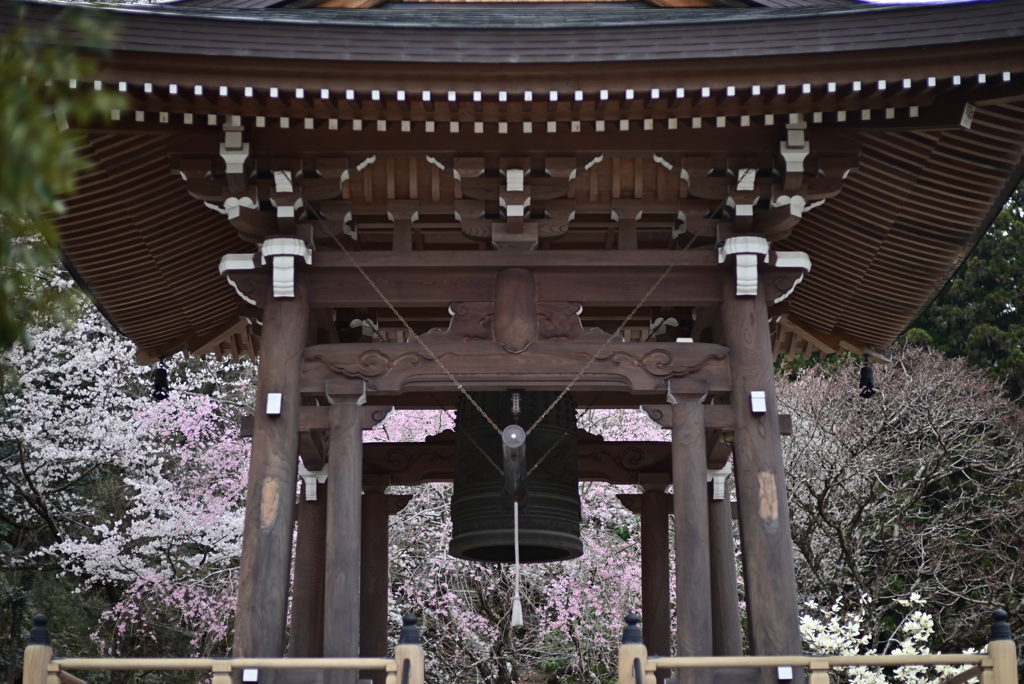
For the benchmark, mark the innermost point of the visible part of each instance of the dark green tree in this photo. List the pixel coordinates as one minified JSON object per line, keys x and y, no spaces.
{"x":980,"y":313}
{"x":40,"y":159}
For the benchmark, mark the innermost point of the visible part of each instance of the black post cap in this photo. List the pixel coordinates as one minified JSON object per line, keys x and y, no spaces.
{"x":410,"y":633}
{"x":632,"y":634}
{"x":39,"y":634}
{"x":1000,"y":627}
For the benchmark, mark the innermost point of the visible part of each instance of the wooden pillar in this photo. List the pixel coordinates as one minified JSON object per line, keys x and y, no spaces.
{"x":693,"y":564}
{"x":374,"y":582}
{"x":373,"y":603}
{"x":344,"y":512}
{"x":654,"y":573}
{"x":270,"y":500}
{"x":307,"y":633}
{"x":726,"y":630}
{"x":769,"y":576}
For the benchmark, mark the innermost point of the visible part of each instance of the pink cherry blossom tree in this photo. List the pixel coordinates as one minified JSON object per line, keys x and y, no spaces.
{"x":138,"y":503}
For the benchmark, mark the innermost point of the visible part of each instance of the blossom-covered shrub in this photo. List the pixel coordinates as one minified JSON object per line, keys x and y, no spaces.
{"x":839,"y":630}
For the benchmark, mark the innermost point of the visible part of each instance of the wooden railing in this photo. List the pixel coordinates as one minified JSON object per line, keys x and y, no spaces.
{"x":41,"y":667}
{"x":996,"y":666}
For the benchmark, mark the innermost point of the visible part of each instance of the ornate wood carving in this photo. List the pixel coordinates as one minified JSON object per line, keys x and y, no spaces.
{"x":471,"y":322}
{"x":289,"y":188}
{"x":638,"y":368}
{"x":560,"y":321}
{"x":780,"y":283}
{"x":523,"y":321}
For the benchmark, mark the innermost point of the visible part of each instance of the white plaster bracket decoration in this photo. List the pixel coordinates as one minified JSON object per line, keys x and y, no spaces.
{"x":514,"y":180}
{"x":745,"y":180}
{"x":792,"y":260}
{"x":311,"y":478}
{"x":282,"y":252}
{"x":796,"y":203}
{"x":718,"y":478}
{"x":233,"y":150}
{"x":746,"y":249}
{"x":284,"y":186}
{"x":237,"y":262}
{"x":794,"y":150}
{"x":515,"y":187}
{"x":742,"y":198}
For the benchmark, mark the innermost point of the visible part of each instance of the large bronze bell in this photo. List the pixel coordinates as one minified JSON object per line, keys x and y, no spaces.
{"x":549,"y":513}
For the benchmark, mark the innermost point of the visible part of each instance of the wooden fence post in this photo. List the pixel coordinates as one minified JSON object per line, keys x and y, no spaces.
{"x":1002,"y":650}
{"x":819,"y":672}
{"x":409,"y":653}
{"x":632,"y":652}
{"x":221,"y":672}
{"x":37,"y":653}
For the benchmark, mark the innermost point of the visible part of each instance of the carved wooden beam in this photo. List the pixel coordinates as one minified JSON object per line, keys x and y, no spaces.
{"x":638,"y":368}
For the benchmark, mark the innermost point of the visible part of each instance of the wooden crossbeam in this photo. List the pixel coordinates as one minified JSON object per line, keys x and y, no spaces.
{"x":438,"y":278}
{"x":315,"y":418}
{"x":410,"y":463}
{"x":716,"y":417}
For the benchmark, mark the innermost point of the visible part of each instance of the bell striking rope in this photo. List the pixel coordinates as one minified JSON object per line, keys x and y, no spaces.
{"x":517,"y":604}
{"x":513,"y":446}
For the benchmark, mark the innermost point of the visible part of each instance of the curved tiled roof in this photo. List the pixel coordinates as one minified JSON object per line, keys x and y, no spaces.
{"x":555,"y":34}
{"x":923,"y":195}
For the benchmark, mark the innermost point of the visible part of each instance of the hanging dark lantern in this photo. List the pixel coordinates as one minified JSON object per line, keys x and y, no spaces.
{"x":549,"y":511}
{"x":161,"y":386}
{"x":867,"y":380}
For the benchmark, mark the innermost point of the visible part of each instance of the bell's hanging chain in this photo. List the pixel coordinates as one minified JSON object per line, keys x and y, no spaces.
{"x":470,"y":438}
{"x":559,"y":440}
{"x":486,"y":455}
{"x":603,"y":347}
{"x":408,"y":327}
